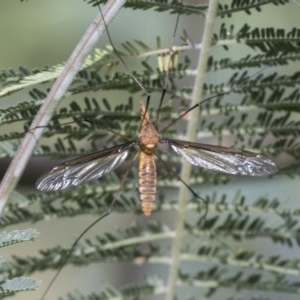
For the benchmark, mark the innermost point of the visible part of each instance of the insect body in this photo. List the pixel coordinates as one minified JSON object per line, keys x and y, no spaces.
{"x":148,"y":140}
{"x":211,"y":157}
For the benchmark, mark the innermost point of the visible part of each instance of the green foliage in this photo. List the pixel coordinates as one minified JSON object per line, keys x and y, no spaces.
{"x":9,"y":287}
{"x":160,"y":6}
{"x":260,"y":112}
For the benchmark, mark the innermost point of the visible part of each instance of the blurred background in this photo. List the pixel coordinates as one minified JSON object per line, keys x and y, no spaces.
{"x":39,"y":33}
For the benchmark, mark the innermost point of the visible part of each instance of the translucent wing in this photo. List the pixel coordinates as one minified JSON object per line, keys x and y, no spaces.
{"x":84,"y":168}
{"x":222,"y":159}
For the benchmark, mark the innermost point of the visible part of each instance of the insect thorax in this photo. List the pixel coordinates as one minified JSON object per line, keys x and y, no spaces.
{"x":148,"y":137}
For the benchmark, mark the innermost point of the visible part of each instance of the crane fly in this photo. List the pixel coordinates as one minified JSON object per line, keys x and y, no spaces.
{"x":95,"y":165}
{"x":211,"y":157}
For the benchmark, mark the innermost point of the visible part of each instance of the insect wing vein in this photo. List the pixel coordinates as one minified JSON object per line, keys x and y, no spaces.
{"x":222,"y":159}
{"x":85,"y":168}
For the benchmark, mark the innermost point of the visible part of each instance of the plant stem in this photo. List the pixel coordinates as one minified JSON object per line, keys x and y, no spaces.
{"x":191,"y":134}
{"x":56,"y":93}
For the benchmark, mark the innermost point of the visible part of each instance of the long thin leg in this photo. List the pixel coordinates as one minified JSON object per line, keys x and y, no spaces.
{"x":66,"y":258}
{"x":121,"y":59}
{"x":167,"y":69}
{"x":190,"y":109}
{"x":186,"y":185}
{"x":109,"y":130}
{"x":128,"y":70}
{"x":220,"y":240}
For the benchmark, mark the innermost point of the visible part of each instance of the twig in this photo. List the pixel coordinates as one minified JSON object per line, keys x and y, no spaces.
{"x":57,"y":91}
{"x":191,"y":134}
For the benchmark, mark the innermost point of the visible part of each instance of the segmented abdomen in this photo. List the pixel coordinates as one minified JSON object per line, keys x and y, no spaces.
{"x":147,"y":182}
